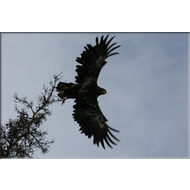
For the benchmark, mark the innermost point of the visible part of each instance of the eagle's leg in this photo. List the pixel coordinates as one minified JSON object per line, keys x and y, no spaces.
{"x":63,"y":100}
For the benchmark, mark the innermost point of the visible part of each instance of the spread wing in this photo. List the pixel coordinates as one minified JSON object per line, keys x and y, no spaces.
{"x":86,"y":110}
{"x":93,"y":59}
{"x":92,"y":121}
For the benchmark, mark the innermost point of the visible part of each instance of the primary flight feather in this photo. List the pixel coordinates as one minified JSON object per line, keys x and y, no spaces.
{"x":85,"y":91}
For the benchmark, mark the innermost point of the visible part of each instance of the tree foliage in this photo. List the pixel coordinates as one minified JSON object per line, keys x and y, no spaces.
{"x":21,"y":136}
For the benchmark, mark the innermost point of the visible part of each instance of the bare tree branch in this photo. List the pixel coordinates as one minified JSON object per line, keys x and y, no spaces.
{"x":21,"y":136}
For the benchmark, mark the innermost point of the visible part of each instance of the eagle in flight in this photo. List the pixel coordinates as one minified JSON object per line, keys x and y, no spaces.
{"x":85,"y":91}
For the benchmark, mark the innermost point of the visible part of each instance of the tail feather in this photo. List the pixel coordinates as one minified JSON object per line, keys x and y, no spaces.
{"x":66,"y":90}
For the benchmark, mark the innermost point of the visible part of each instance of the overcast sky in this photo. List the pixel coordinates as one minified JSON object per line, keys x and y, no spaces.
{"x":147,"y":91}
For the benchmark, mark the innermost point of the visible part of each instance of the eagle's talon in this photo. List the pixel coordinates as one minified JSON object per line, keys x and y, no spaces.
{"x":63,"y":100}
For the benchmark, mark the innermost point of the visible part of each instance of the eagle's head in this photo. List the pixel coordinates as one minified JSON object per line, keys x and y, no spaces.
{"x":101,"y":91}
{"x":104,"y":91}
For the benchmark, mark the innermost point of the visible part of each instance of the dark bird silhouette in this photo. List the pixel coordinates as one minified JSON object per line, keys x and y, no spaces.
{"x":85,"y":91}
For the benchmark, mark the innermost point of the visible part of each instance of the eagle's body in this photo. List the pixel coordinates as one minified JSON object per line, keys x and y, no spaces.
{"x":86,"y":91}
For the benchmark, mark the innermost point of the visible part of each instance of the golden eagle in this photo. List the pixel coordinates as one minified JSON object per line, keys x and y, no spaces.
{"x":87,"y":112}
